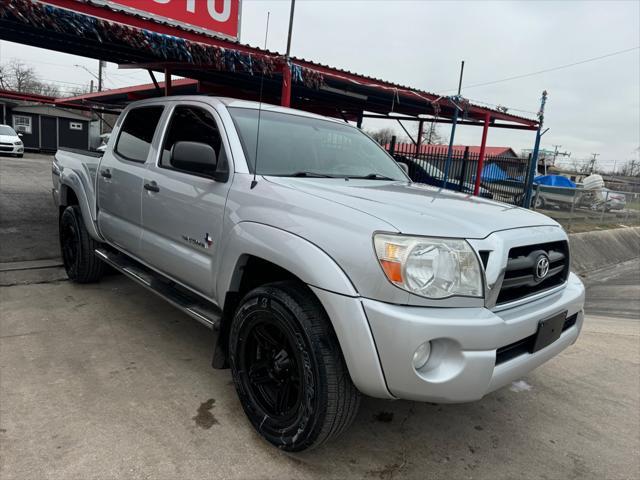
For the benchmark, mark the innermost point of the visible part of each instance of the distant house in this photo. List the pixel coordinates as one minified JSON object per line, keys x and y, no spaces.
{"x":458,"y":150}
{"x":47,"y":127}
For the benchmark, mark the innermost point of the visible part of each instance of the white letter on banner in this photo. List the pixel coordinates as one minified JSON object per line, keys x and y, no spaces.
{"x":222,"y":16}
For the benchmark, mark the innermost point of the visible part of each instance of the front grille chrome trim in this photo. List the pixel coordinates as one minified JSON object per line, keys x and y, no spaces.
{"x":529,"y":298}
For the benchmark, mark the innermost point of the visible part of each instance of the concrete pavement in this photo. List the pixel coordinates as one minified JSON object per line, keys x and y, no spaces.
{"x":108,"y":381}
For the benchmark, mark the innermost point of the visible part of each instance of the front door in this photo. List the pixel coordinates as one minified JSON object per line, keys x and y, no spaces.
{"x":120,"y":179}
{"x":48,"y":133}
{"x":182,"y":213}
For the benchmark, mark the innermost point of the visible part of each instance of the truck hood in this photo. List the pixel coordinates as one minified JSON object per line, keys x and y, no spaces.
{"x":419,"y":209}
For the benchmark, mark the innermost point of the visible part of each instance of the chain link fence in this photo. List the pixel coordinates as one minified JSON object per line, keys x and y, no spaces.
{"x":579,"y":210}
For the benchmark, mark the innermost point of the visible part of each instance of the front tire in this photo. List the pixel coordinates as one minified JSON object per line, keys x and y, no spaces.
{"x":288,"y":368}
{"x":77,"y":246}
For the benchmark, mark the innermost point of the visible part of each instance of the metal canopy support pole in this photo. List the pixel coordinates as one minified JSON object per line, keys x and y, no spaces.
{"x":483,"y":145}
{"x":155,"y":82}
{"x":420,"y":134}
{"x":285,"y":99}
{"x":447,"y":165}
{"x":534,"y":156}
{"x":167,"y":82}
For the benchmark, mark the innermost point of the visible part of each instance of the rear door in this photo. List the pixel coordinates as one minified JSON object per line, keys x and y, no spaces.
{"x":182,"y":215}
{"x":120,"y":178}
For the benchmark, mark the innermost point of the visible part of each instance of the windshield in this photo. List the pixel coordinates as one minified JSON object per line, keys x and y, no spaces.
{"x":5,"y":130}
{"x":293,"y":145}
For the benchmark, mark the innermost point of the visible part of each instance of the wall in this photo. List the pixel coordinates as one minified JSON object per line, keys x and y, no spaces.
{"x":594,"y":250}
{"x":73,"y":138}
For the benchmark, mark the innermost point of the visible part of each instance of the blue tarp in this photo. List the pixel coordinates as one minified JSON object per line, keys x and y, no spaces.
{"x":554,"y":181}
{"x":493,"y":173}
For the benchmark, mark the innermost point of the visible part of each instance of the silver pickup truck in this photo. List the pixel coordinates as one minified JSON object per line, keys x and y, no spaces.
{"x":324,"y":271}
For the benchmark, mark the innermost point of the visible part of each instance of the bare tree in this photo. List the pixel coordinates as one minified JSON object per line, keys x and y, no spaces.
{"x":382,"y":136}
{"x":630,"y":169}
{"x":19,"y":77}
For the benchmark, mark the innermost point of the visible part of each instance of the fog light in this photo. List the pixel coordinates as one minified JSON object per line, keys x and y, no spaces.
{"x":421,"y":355}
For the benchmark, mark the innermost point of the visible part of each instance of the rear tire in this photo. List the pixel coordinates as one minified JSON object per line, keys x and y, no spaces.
{"x":288,"y":369}
{"x":77,"y":247}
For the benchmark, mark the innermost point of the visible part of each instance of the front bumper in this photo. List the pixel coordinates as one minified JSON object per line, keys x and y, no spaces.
{"x":462,"y":366}
{"x":12,"y":149}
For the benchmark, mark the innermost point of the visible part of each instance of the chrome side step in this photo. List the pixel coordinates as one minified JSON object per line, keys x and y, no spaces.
{"x":198,"y":308}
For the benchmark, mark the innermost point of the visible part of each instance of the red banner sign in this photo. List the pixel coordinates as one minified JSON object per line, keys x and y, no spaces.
{"x":221,"y":17}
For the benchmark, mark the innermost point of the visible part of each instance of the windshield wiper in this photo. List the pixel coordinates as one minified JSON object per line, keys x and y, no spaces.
{"x":372,"y":176}
{"x":311,"y":174}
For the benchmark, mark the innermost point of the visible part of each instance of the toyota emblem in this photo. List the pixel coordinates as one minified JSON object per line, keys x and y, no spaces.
{"x":542,"y":267}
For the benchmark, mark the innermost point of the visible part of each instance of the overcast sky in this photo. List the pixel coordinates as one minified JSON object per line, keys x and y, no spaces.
{"x":593,"y":107}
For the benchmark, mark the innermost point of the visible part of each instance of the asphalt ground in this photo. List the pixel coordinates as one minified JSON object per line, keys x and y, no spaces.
{"x":108,"y":381}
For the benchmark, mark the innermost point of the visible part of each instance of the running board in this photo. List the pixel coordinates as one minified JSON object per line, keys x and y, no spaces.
{"x":196,"y":307}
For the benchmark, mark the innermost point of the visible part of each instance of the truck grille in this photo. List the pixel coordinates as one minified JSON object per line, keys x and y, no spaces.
{"x":534,"y":268}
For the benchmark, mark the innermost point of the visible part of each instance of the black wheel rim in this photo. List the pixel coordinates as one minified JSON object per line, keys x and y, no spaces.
{"x":70,"y":243}
{"x":272,"y":370}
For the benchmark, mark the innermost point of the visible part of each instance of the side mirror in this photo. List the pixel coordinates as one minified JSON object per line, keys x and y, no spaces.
{"x":404,"y":167}
{"x":20,"y":134}
{"x":194,"y":157}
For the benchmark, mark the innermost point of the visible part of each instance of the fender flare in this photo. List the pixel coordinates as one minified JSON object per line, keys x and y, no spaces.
{"x":305,"y":260}
{"x":329,"y":283}
{"x":71,"y":181}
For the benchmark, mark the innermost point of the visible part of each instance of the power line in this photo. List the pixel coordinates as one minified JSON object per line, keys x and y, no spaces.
{"x":552,"y":69}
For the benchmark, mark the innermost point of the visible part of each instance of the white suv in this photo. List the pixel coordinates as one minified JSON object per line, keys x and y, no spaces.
{"x":10,"y":141}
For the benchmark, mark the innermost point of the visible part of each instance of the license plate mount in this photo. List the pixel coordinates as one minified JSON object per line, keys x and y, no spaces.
{"x":549,"y":331}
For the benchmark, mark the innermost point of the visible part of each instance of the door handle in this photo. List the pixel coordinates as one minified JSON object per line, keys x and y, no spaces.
{"x":106,"y":173}
{"x":152,"y":186}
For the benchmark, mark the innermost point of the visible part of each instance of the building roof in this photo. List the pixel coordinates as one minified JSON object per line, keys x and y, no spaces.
{"x":51,"y":111}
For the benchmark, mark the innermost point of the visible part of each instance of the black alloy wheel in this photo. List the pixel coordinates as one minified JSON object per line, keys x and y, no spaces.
{"x":78,"y":247}
{"x":288,"y":368}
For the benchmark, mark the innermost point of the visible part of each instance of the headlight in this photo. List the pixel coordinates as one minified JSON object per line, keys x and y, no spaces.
{"x":430,"y":267}
{"x":19,"y":142}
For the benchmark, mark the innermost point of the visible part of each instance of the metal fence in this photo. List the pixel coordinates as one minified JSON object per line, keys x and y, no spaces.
{"x":579,"y":210}
{"x":502,"y":178}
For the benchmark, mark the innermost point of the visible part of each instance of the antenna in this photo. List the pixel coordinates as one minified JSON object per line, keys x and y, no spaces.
{"x":254,"y":182}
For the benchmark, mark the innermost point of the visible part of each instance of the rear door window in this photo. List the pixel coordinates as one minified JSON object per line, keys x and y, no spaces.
{"x":137,"y":132}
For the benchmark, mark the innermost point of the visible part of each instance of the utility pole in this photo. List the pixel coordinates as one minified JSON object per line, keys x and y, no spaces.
{"x":293,"y":7}
{"x":593,"y":161}
{"x":460,"y":81}
{"x":556,"y":153}
{"x":100,"y":64}
{"x":534,"y":156}
{"x":454,"y":122}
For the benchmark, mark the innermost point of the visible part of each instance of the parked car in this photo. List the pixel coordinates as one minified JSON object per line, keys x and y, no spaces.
{"x":10,"y":141}
{"x":326,"y":272}
{"x":423,"y":171}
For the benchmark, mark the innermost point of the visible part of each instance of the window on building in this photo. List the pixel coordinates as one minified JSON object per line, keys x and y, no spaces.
{"x":22,"y":123}
{"x":75,"y":125}
{"x":137,"y":132}
{"x":192,"y":124}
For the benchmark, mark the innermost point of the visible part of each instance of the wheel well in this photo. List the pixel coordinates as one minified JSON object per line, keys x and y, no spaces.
{"x":251,"y":273}
{"x":67,"y":198}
